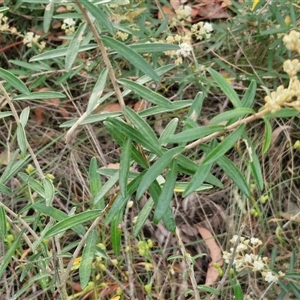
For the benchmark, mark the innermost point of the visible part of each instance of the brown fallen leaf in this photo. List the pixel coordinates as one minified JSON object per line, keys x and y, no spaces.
{"x":215,"y":254}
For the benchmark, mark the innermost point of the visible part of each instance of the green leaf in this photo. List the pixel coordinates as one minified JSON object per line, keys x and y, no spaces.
{"x":120,"y":202}
{"x":142,"y":127}
{"x":74,"y":46}
{"x":196,"y":107}
{"x":71,"y":221}
{"x":4,"y":114}
{"x":99,"y":15}
{"x":143,"y":216}
{"x":155,"y":110}
{"x":255,"y":165}
{"x":9,"y":254}
{"x":95,"y":182}
{"x":224,"y":146}
{"x":168,"y":131}
{"x":194,"y":133}
{"x":115,"y":233}
{"x":153,"y":47}
{"x":40,"y":96}
{"x":283,"y":113}
{"x":235,"y":174}
{"x":146,"y":93}
{"x":120,"y":139}
{"x":49,"y":191}
{"x":165,"y":197}
{"x":51,"y":54}
{"x":124,"y":166}
{"x":249,"y":96}
{"x":132,"y":56}
{"x":106,"y":188}
{"x":57,"y":215}
{"x":21,"y":138}
{"x":144,"y":79}
{"x":135,"y":135}
{"x":34,"y":184}
{"x":24,"y":116}
{"x":234,"y":113}
{"x":91,"y":119}
{"x":88,"y":254}
{"x":5,"y":190}
{"x":197,"y":179}
{"x":14,"y":81}
{"x":238,"y":292}
{"x":267,"y":137}
{"x":156,"y":169}
{"x":168,"y":217}
{"x":95,"y":98}
{"x":226,"y":88}
{"x":48,"y":13}
{"x":3,"y":225}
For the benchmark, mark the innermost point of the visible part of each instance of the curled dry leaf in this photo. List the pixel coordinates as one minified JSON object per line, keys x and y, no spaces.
{"x":215,"y":254}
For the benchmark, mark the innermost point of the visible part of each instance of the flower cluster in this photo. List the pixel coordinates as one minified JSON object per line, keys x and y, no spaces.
{"x":292,"y":41}
{"x":183,"y":13}
{"x":246,"y":258}
{"x":202,"y":30}
{"x":68,"y":26}
{"x":287,"y":96}
{"x":29,"y":38}
{"x":184,"y":44}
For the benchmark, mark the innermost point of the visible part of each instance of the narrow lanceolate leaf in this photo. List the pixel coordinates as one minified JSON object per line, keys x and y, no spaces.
{"x":3,"y":225}
{"x":34,"y":184}
{"x":95,"y":181}
{"x":194,"y":133}
{"x":267,"y":137}
{"x":120,"y":202}
{"x":156,"y":169}
{"x":5,"y":190}
{"x":226,"y":88}
{"x":165,"y":197}
{"x":72,"y":221}
{"x":24,"y":116}
{"x":143,"y":216}
{"x":88,"y":254}
{"x":120,"y":139}
{"x":9,"y":254}
{"x":57,"y":215}
{"x":40,"y":96}
{"x":255,"y":164}
{"x":196,"y":107}
{"x":124,"y":166}
{"x":146,"y":93}
{"x":5,"y":114}
{"x":49,"y":191}
{"x":224,"y":146}
{"x":135,"y":136}
{"x":14,"y":81}
{"x":48,"y":13}
{"x":59,"y":53}
{"x":94,"y":100}
{"x":235,"y":174}
{"x":142,"y":126}
{"x":197,"y":179}
{"x":115,"y":231}
{"x":234,"y":113}
{"x":249,"y":97}
{"x":132,"y":56}
{"x":168,"y":131}
{"x":153,"y":47}
{"x":99,"y":15}
{"x":74,"y":46}
{"x":106,"y":188}
{"x":21,"y":138}
{"x":168,"y":217}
